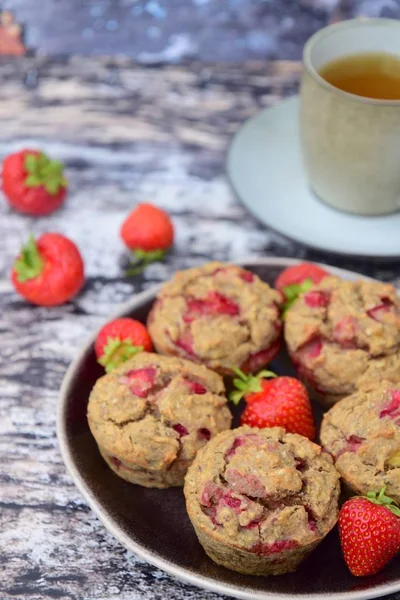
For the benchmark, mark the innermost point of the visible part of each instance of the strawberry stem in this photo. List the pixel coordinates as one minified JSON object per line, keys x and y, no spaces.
{"x":142,"y":258}
{"x":246,"y":384}
{"x":41,"y":171}
{"x":383,"y":500}
{"x":116,"y":352}
{"x":30,"y":264}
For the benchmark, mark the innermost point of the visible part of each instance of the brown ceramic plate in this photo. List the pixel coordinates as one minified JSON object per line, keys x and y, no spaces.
{"x":154,"y":524}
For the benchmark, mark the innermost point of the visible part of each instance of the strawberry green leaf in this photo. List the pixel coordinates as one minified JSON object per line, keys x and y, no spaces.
{"x":30,"y":264}
{"x":266,"y":375}
{"x":235,"y":397}
{"x":44,"y":172}
{"x":33,"y":181}
{"x":116,"y":352}
{"x":247,"y":384}
{"x":31,"y":162}
{"x":381,"y":499}
{"x":142,"y":258}
{"x":293,"y":291}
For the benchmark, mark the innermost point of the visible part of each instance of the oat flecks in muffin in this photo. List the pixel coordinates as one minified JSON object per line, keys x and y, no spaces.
{"x":362,"y":432}
{"x":343,"y":333}
{"x":153,"y":413}
{"x":261,"y":500}
{"x":220,"y":315}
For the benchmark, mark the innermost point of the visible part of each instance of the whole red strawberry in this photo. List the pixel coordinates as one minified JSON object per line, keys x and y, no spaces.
{"x":276,"y":402}
{"x":49,"y":271}
{"x":33,"y":183}
{"x":369,"y":530}
{"x":298,"y":279}
{"x":149,"y":232}
{"x":119,"y":340}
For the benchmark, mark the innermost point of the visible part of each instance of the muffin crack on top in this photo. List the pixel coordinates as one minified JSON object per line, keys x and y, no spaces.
{"x":341,"y":334}
{"x":261,"y":500}
{"x":220,"y":315}
{"x":151,"y":415}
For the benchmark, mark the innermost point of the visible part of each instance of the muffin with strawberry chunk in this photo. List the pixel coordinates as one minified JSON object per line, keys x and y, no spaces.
{"x":362,"y":433}
{"x":341,"y":334}
{"x":219,"y":315}
{"x":261,"y":500}
{"x":151,"y":415}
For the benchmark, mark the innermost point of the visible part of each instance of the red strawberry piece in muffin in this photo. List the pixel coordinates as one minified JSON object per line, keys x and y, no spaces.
{"x":261,"y":500}
{"x":341,"y":334}
{"x":150,"y":416}
{"x":362,"y":433}
{"x":219,"y":315}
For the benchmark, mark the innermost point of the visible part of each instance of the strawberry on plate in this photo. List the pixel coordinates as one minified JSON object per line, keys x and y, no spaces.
{"x":148,"y":232}
{"x":33,"y":183}
{"x":48,"y":271}
{"x":369,"y":529}
{"x":119,"y":340}
{"x":273,"y":401}
{"x":298,"y":279}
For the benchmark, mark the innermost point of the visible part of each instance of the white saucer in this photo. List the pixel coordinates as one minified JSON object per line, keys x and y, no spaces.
{"x":266,"y":171}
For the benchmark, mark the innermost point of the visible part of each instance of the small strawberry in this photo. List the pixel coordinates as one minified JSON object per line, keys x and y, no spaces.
{"x":32,"y":183}
{"x":149,"y":232}
{"x":49,"y":271}
{"x":298,"y":279}
{"x":369,"y":529}
{"x":119,"y":340}
{"x":279,"y":401}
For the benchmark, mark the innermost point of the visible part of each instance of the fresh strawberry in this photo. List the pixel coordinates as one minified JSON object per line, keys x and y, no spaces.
{"x":48,"y":272}
{"x":33,"y":183}
{"x":279,"y":401}
{"x":369,"y":530}
{"x":119,"y":340}
{"x":298,"y":279}
{"x":149,"y":232}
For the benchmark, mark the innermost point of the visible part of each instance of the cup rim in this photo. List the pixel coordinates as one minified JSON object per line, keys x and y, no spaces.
{"x":328,"y":30}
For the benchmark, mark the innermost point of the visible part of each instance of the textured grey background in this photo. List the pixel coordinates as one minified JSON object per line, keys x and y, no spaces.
{"x":126,"y":134}
{"x":174,"y":30}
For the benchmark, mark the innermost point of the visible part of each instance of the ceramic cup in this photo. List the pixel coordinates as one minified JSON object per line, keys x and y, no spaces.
{"x":351,"y":144}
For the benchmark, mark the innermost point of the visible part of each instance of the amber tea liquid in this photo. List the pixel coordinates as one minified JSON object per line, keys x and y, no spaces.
{"x":372,"y":75}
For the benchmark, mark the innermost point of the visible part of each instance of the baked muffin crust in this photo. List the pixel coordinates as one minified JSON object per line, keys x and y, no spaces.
{"x":261,"y":499}
{"x":219,"y":315}
{"x":152,"y":414}
{"x":342,"y":333}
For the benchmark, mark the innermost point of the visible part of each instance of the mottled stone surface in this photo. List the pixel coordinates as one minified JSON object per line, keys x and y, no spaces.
{"x":164,"y":31}
{"x":127,"y":134}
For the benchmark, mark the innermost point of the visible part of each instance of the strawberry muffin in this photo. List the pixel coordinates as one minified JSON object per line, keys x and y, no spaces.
{"x":152,"y":414}
{"x":341,"y":334}
{"x":219,"y":315}
{"x":362,"y":432}
{"x":261,"y":500}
